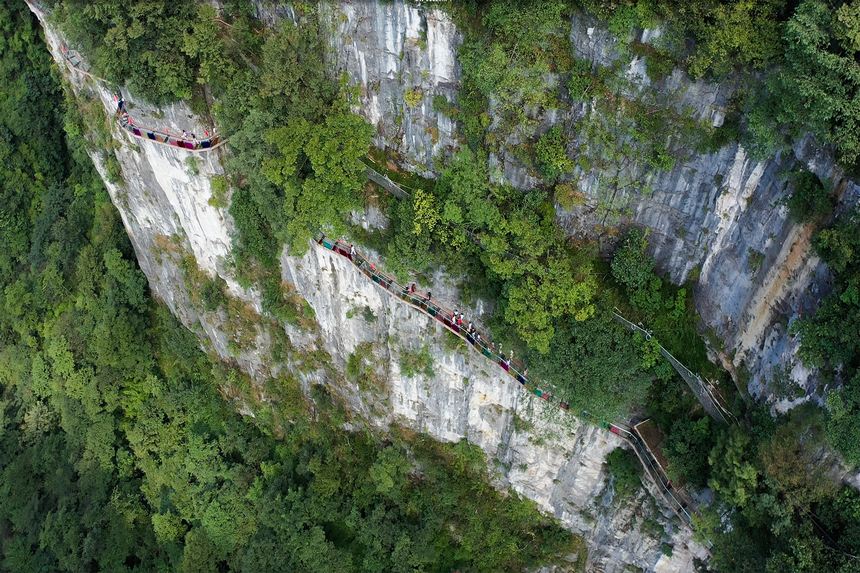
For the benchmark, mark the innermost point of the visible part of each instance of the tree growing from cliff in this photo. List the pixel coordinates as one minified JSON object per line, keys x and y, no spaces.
{"x":551,"y":154}
{"x":596,"y":366}
{"x":828,"y":336}
{"x":810,"y":201}
{"x":816,"y":86}
{"x":625,"y":471}
{"x":318,"y":169}
{"x":507,"y":56}
{"x":513,"y":236}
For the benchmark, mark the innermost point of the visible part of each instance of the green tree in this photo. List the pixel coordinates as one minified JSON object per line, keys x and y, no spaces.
{"x":687,"y":447}
{"x":826,"y":336}
{"x":843,"y":408}
{"x":551,"y":154}
{"x":817,"y":84}
{"x":809,"y":201}
{"x":739,"y":33}
{"x":595,"y":366}
{"x":631,"y":264}
{"x":625,"y":471}
{"x":319,"y":170}
{"x":733,"y":474}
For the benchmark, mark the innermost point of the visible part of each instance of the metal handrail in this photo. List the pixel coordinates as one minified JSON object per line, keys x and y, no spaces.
{"x":435,"y":310}
{"x":441,"y":313}
{"x":706,"y":397}
{"x":162,"y":136}
{"x":653,"y":470}
{"x":150,"y":134}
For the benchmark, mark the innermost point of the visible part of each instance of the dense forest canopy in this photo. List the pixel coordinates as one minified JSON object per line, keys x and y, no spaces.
{"x":93,"y":370}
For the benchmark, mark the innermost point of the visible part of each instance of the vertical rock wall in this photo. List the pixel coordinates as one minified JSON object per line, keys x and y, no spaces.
{"x":715,"y":219}
{"x":557,"y":461}
{"x":401,"y":57}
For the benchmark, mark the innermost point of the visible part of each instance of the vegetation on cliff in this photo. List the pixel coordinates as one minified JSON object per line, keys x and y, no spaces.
{"x":295,"y":168}
{"x":117,"y":452}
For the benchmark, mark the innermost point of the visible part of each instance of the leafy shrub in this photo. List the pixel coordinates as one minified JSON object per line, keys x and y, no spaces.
{"x":443,"y":105}
{"x":626,"y":17}
{"x":219,"y":186}
{"x":360,"y":368}
{"x":213,"y":293}
{"x":755,"y":259}
{"x":658,"y":63}
{"x":686,"y":448}
{"x":413,"y":97}
{"x":810,"y":201}
{"x":625,"y":471}
{"x":843,"y":422}
{"x":281,"y":300}
{"x":551,"y":154}
{"x":631,"y":264}
{"x":568,"y":196}
{"x":113,"y":169}
{"x":192,"y":164}
{"x":146,"y":44}
{"x":416,"y":362}
{"x":527,"y":24}
{"x":507,"y":59}
{"x":581,"y":81}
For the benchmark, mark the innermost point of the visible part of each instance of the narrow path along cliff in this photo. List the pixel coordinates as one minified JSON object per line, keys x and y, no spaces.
{"x":483,"y":344}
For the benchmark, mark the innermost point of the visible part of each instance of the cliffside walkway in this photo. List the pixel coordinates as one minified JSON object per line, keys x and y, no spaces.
{"x":704,"y":393}
{"x":707,"y":396}
{"x":160,"y":136}
{"x":480,"y":341}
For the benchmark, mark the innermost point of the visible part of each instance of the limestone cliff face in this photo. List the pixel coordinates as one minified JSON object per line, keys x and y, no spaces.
{"x":715,"y":219}
{"x":165,"y":200}
{"x":400,"y":56}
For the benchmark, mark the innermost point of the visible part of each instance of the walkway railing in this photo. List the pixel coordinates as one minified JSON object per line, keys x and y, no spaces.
{"x":654,"y":471}
{"x":482,"y":344}
{"x":478,"y":338}
{"x":160,"y":136}
{"x":706,"y":395}
{"x":165,"y":137}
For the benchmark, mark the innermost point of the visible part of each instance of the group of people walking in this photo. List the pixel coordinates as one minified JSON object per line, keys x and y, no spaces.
{"x":455,"y":320}
{"x":188,"y":139}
